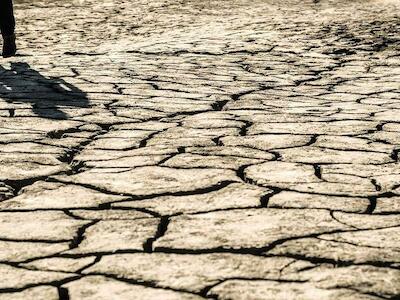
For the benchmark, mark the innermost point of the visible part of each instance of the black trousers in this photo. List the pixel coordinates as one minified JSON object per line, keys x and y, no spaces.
{"x":7,"y":21}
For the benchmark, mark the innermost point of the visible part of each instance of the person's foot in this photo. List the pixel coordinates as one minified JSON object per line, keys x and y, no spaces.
{"x":9,"y":47}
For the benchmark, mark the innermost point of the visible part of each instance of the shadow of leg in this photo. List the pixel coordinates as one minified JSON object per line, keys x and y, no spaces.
{"x":47,"y":95}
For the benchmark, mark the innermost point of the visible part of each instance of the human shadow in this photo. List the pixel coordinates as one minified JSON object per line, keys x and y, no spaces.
{"x":48,"y":96}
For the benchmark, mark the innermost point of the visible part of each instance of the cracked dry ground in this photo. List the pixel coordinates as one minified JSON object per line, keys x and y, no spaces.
{"x":201,"y":150}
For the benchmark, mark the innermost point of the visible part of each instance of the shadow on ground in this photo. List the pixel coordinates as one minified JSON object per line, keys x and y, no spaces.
{"x":47,"y":95}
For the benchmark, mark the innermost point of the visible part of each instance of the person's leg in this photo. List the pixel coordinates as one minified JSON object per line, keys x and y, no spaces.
{"x":7,"y":26}
{"x":7,"y":21}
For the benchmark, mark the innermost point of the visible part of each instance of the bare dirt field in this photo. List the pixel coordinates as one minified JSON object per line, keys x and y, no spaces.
{"x":201,"y":150}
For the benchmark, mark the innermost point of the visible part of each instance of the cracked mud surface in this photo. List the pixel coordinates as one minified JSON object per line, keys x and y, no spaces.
{"x":201,"y":150}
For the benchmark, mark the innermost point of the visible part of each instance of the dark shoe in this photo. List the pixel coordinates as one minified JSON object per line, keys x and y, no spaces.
{"x":9,"y":47}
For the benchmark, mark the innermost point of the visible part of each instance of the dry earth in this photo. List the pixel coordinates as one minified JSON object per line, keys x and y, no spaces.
{"x":201,"y":150}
